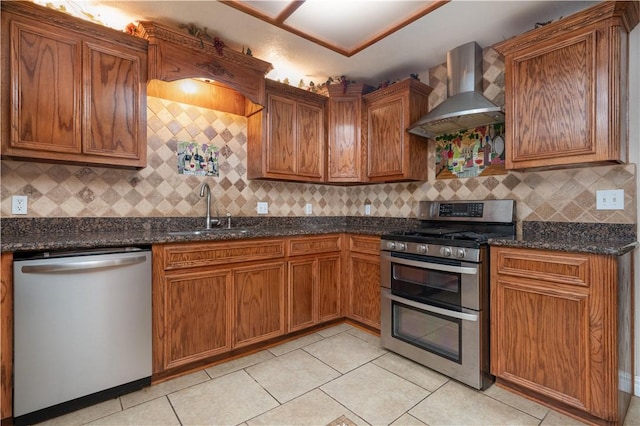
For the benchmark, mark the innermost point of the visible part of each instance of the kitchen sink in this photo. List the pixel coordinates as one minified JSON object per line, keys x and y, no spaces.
{"x":209,"y":231}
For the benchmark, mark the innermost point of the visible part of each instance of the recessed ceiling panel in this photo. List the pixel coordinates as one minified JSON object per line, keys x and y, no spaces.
{"x":268,"y":8}
{"x":350,"y":23}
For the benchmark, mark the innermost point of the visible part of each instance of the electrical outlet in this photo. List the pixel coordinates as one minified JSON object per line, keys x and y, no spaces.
{"x":367,"y":209}
{"x":19,"y":204}
{"x":611,"y":199}
{"x":263,"y":207}
{"x":308,"y":208}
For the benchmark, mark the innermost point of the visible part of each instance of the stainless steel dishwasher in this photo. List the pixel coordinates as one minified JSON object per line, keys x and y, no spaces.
{"x":82,"y":329}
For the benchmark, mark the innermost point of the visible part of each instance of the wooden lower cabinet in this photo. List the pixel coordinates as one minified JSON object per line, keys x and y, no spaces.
{"x":363,"y":280}
{"x":258,"y":303}
{"x":561,"y":330}
{"x":212,"y":297}
{"x":314,"y":280}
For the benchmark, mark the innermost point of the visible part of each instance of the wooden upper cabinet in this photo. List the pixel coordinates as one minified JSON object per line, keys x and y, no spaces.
{"x":346,"y":153}
{"x":286,"y":140}
{"x":72,"y":91}
{"x":392,"y":153}
{"x":566,"y":89}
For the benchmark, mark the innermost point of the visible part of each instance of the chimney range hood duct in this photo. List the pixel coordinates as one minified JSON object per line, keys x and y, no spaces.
{"x":465,"y":107}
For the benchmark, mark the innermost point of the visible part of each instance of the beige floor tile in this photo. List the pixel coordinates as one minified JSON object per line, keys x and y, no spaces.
{"x":457,"y":404}
{"x":295,"y":344}
{"x":375,"y":394}
{"x":367,"y":337}
{"x":553,"y":418}
{"x":157,"y":412}
{"x":415,"y":373}
{"x":162,"y":389}
{"x":291,"y":375}
{"x":86,"y":415}
{"x":633,"y":414}
{"x":337,"y":329}
{"x":227,"y":400}
{"x":344,"y":352}
{"x":407,"y":420}
{"x":238,"y":364}
{"x":516,"y":401}
{"x":313,"y":408}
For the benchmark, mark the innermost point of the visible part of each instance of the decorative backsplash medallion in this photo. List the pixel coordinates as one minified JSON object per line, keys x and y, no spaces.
{"x":471,"y":153}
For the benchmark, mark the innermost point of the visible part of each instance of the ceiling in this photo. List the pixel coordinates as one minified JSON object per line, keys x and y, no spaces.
{"x":366,"y":40}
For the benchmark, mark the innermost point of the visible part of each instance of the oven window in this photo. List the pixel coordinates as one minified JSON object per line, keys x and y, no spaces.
{"x":435,"y":333}
{"x":425,"y":285}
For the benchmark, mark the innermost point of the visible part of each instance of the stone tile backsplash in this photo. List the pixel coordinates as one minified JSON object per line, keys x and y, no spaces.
{"x":158,"y":190}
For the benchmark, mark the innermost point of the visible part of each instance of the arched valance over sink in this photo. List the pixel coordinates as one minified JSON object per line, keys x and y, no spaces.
{"x":175,"y":54}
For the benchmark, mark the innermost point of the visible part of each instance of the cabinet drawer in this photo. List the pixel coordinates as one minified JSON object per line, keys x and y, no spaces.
{"x":314,"y":245}
{"x":559,"y":267}
{"x":364,"y":244}
{"x":177,"y":256}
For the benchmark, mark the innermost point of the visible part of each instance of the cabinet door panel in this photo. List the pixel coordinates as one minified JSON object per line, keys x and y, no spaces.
{"x":258,"y":303}
{"x":197,"y":312}
{"x":328,"y":292}
{"x":112,"y":103}
{"x":552,"y":83}
{"x":281,"y":148}
{"x":542,"y":339}
{"x":364,"y":283}
{"x":386,"y":137}
{"x":46,"y":90}
{"x":344,"y":139}
{"x":310,"y":141}
{"x":302,"y":312}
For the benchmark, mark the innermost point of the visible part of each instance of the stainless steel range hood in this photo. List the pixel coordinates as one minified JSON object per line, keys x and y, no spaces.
{"x":465,"y":106}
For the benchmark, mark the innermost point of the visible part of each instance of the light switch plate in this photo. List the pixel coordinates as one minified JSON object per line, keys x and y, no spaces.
{"x":610,"y":199}
{"x":263,"y":207}
{"x":19,"y":204}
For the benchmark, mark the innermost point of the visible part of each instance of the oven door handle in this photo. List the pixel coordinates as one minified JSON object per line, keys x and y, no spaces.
{"x":429,"y":308}
{"x":435,"y":266}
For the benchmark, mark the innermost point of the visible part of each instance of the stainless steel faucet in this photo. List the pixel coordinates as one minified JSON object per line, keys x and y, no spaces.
{"x":210,"y":222}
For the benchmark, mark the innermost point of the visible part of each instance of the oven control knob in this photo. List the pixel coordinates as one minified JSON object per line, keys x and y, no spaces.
{"x":460,"y":253}
{"x":401,"y":246}
{"x":421,"y":249}
{"x":391,"y":245}
{"x":445,"y":251}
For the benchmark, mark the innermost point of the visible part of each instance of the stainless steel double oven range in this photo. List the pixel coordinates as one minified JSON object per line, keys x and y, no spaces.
{"x":435,"y":286}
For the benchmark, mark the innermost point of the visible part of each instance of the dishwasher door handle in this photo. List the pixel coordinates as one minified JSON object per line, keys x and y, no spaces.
{"x":52,"y":268}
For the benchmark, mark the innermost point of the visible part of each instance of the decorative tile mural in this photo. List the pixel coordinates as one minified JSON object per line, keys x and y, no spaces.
{"x":470,"y":153}
{"x":197,"y":159}
{"x":158,"y":190}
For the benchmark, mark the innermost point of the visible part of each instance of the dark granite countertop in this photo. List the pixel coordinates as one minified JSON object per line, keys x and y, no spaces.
{"x":37,"y":234}
{"x":595,"y":238}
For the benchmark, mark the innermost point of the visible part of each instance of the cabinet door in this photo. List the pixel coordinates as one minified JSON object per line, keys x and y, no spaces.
{"x":328,"y":289}
{"x":345,"y":150}
{"x":113,"y":103}
{"x":385,"y":148}
{"x":281,"y":133}
{"x":541,"y":339}
{"x":302,"y":294}
{"x":197,"y":316}
{"x":364,"y":288}
{"x":259,"y":309}
{"x":310,"y":141}
{"x":46,"y":89}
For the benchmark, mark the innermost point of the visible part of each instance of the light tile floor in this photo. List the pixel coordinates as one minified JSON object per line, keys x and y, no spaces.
{"x":314,"y":380}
